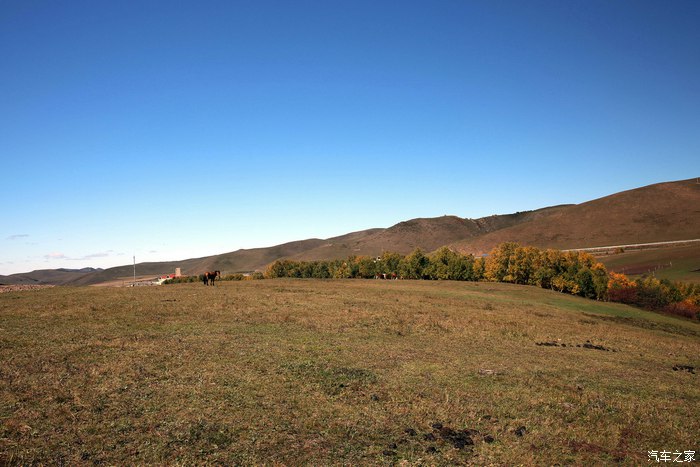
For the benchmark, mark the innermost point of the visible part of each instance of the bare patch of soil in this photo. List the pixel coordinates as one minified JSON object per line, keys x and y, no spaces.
{"x":688,"y":368}
{"x":585,"y":345}
{"x":442,"y":436}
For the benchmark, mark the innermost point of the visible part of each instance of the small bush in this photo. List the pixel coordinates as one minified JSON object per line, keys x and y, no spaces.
{"x":182,"y":280}
{"x":685,"y":309}
{"x":233,"y":277}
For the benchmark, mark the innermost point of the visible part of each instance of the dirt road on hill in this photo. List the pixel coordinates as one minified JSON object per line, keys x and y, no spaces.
{"x":636,"y":246}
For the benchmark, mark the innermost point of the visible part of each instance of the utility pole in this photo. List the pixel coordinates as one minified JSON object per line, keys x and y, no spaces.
{"x":134,"y":271}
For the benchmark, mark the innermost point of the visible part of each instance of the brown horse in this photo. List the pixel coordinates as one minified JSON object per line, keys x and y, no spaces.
{"x":210,"y":277}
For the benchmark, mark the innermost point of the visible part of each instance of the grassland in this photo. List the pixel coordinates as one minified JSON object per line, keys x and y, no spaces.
{"x":340,"y":372}
{"x":681,"y":263}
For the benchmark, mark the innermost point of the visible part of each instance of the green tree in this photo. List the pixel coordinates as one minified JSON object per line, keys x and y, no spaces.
{"x":321,"y":270}
{"x":389,"y":263}
{"x":446,"y":264}
{"x":414,"y":265}
{"x":366,"y":267}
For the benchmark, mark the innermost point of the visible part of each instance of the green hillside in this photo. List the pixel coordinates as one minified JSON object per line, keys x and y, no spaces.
{"x":680,"y":263}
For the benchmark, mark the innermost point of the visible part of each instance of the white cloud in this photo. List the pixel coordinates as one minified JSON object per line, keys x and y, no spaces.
{"x":94,"y":255}
{"x":17,"y":236}
{"x":55,"y":255}
{"x":58,"y":255}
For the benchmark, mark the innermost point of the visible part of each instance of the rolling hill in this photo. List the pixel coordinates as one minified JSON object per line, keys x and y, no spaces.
{"x":425,"y":233}
{"x":661,"y":212}
{"x":655,"y":213}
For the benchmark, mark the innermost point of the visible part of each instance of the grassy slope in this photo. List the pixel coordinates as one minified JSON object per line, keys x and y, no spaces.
{"x":331,"y":372}
{"x":676,"y":263}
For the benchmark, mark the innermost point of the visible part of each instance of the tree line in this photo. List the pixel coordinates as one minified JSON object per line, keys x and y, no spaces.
{"x":227,"y":277}
{"x":678,"y":298}
{"x":573,"y":272}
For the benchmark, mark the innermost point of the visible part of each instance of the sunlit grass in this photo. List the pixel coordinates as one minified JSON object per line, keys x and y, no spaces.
{"x":339,"y":372}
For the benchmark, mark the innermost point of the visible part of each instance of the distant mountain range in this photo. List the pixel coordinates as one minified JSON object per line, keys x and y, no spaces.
{"x":661,"y":212}
{"x":48,"y":276}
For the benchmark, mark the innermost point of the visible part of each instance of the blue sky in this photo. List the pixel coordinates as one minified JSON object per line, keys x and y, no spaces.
{"x":170,"y":130}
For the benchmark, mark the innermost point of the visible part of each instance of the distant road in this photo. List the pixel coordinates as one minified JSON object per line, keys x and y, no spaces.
{"x":638,"y":246}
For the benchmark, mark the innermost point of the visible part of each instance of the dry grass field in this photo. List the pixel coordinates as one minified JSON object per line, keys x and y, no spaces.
{"x":289,"y":372}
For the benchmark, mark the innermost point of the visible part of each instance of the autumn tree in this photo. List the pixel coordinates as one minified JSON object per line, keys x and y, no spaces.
{"x":479,"y":268}
{"x":498,"y":263}
{"x":621,"y":288}
{"x":522,"y":264}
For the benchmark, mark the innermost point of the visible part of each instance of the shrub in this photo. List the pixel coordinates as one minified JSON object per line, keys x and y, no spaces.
{"x":233,"y":277}
{"x":621,"y":289}
{"x":686,"y":308}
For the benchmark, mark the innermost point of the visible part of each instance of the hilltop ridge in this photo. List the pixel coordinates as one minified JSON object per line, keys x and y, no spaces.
{"x":655,"y":213}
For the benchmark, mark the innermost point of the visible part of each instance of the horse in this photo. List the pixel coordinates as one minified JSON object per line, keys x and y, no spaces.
{"x":210,"y":277}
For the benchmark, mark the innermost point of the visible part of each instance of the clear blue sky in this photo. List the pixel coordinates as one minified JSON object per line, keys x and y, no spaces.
{"x":170,"y":130}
